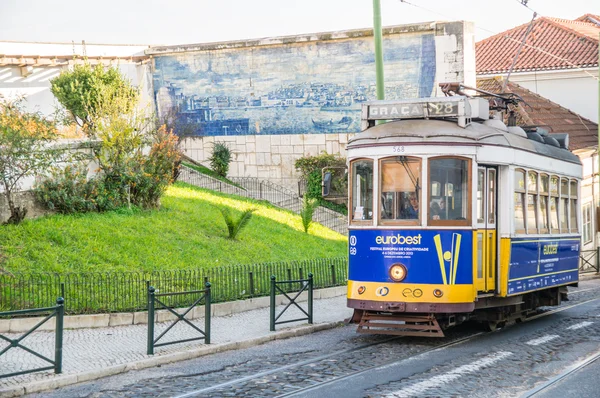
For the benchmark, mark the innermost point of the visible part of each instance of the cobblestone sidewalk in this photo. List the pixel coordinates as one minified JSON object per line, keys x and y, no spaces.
{"x":93,"y":353}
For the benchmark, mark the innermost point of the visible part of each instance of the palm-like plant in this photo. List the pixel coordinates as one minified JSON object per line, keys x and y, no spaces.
{"x":235,"y":224}
{"x":308,"y":209}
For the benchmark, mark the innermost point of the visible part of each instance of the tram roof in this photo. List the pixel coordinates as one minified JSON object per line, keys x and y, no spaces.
{"x":448,"y":132}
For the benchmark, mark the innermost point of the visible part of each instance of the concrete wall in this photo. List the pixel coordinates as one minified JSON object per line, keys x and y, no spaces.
{"x":278,"y":99}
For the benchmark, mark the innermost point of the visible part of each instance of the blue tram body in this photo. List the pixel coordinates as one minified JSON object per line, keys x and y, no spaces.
{"x":454,"y":216}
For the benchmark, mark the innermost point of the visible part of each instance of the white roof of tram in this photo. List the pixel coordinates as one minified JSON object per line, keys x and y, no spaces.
{"x":446,"y":132}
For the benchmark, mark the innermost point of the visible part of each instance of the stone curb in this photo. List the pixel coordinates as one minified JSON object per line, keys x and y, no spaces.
{"x":65,"y":380}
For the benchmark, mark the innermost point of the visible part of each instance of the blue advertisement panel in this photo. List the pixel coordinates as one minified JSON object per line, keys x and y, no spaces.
{"x":536,"y":264}
{"x":430,"y":256}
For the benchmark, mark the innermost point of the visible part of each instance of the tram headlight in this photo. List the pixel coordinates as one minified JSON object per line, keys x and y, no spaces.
{"x":398,"y":272}
{"x":438,"y":293}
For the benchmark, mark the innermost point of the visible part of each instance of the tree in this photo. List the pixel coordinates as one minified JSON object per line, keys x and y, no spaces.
{"x":23,"y":151}
{"x":105,"y":104}
{"x":84,"y":91}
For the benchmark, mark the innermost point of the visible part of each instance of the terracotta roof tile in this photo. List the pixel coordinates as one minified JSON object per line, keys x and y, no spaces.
{"x":540,"y":111}
{"x":552,"y":43}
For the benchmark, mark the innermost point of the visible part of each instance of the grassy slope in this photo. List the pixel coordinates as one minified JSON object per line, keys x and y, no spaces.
{"x":187,"y":232}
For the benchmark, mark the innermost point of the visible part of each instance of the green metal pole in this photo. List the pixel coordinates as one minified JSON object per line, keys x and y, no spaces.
{"x":378,"y":49}
{"x":310,"y":298}
{"x":207,"y":302}
{"x":272,"y":315}
{"x":58,"y":339}
{"x":151,"y":291}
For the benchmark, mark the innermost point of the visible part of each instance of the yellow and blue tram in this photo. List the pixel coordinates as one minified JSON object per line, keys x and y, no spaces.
{"x":455,"y":216}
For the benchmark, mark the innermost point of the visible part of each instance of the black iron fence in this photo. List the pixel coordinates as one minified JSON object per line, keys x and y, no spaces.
{"x":589,"y":261}
{"x":155,"y":298}
{"x":126,"y":291}
{"x":50,"y":312}
{"x":304,"y":285}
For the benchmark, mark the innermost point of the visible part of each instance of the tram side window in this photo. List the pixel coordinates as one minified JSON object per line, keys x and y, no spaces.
{"x":520,"y":201}
{"x":362,"y":190}
{"x":573,"y":211}
{"x":543,"y":210}
{"x":449,"y":190}
{"x":554,"y":204}
{"x":532,"y":202}
{"x":564,"y":205}
{"x":400,"y":198}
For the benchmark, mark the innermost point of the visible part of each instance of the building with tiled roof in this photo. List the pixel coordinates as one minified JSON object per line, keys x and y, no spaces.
{"x":558,"y":60}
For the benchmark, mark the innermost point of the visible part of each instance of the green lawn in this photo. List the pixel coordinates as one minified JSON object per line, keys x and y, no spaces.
{"x":187,"y":232}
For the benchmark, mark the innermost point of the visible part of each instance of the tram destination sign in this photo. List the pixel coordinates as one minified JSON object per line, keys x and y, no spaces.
{"x":416,"y":110}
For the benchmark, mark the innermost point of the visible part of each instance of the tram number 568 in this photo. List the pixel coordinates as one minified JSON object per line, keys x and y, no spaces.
{"x":398,"y":149}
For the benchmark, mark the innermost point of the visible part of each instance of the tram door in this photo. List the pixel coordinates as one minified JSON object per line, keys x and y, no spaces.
{"x":485,"y":235}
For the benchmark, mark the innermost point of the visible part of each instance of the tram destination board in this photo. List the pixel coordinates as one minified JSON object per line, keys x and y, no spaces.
{"x":416,"y":110}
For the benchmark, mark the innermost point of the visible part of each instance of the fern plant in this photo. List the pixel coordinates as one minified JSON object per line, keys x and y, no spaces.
{"x":308,"y":209}
{"x":235,"y":224}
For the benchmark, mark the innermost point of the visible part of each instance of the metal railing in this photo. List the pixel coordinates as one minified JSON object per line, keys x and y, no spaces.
{"x":589,"y":260}
{"x":156,"y":298}
{"x":305,"y":285}
{"x":126,"y":291}
{"x":254,"y":188}
{"x":58,"y":310}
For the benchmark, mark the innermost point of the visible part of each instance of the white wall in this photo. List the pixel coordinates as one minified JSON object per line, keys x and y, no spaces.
{"x":575,"y":90}
{"x":35,"y":88}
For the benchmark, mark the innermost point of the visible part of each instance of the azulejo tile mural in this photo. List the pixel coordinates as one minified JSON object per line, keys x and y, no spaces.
{"x":296,"y":88}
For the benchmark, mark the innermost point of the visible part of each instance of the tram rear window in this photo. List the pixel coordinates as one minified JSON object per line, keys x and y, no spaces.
{"x":362,"y":190}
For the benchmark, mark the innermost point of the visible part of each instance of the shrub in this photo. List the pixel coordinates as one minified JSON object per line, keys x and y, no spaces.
{"x":68,"y":191}
{"x":308,"y":209}
{"x":220,"y":158}
{"x":235,"y":225}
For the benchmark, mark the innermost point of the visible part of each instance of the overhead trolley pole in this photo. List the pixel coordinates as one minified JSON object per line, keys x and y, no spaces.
{"x":378,"y":49}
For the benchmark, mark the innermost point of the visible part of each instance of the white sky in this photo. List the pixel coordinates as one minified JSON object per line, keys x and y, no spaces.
{"x":201,"y":21}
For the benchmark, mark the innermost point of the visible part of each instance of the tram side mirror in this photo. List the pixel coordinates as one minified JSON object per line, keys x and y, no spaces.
{"x":326,"y":184}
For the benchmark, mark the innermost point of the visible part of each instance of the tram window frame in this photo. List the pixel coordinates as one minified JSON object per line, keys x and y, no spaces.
{"x":466,"y":198}
{"x":364,"y":221}
{"x":522,"y":192}
{"x":397,"y":196}
{"x":532,"y":197}
{"x":554,"y":215}
{"x":563,"y":211}
{"x":543,"y":201}
{"x":586,"y":230}
{"x":573,"y":207}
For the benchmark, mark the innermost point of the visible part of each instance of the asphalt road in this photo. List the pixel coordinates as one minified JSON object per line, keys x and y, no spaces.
{"x":519,"y":360}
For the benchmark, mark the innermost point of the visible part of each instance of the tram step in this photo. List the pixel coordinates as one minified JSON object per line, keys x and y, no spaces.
{"x":400,"y":325}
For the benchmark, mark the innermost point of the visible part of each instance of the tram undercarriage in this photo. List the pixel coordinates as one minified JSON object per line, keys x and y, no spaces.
{"x":491,"y":312}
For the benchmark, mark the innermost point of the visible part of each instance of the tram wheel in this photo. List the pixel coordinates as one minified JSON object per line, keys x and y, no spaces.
{"x":492,"y":326}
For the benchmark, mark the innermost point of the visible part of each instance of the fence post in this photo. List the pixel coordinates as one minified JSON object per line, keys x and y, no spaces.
{"x":260,"y":190}
{"x":333,"y":280}
{"x":598,"y":259}
{"x":251,"y":276}
{"x":310,"y":297}
{"x":58,"y":339}
{"x":272,"y":317}
{"x":207,"y":301}
{"x":151,"y":291}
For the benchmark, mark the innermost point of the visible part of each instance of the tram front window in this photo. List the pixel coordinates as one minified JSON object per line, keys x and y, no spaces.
{"x":449,"y":189}
{"x":362,"y":190}
{"x":400,"y":189}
